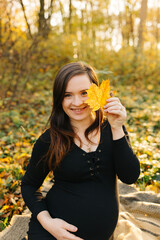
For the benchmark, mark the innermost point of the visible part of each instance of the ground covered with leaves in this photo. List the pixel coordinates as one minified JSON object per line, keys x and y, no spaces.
{"x":27,"y":117}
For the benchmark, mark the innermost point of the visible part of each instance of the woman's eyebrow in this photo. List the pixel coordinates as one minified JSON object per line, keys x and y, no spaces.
{"x":80,"y":91}
{"x":83,"y":90}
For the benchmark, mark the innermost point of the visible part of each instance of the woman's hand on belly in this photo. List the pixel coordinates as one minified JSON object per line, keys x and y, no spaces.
{"x":57,"y":227}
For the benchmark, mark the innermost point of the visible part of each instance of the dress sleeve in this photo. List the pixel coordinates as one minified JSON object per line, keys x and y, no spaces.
{"x":32,"y":180}
{"x":127,"y":165}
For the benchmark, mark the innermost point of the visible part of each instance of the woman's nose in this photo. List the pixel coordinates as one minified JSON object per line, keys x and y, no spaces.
{"x":77,"y":101}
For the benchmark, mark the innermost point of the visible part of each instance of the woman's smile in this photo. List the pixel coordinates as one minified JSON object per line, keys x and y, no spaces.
{"x":79,"y":110}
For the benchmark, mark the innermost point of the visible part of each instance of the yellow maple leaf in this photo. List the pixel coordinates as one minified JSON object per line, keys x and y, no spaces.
{"x":97,"y":96}
{"x":94,"y":94}
{"x":105,"y":87}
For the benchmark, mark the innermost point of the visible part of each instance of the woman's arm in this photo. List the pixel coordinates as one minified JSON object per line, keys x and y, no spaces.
{"x":126,"y":163}
{"x":117,"y":133}
{"x":35,"y":174}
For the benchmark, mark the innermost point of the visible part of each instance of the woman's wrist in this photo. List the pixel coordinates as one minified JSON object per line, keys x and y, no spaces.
{"x":117,"y":133}
{"x":43,"y":217}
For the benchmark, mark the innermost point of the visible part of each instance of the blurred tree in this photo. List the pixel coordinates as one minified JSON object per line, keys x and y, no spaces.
{"x":36,"y":40}
{"x":70,"y":16}
{"x":157,"y":29}
{"x":143,"y":16}
{"x":127,"y":23}
{"x":44,"y":23}
{"x":25,"y":17}
{"x":0,"y":30}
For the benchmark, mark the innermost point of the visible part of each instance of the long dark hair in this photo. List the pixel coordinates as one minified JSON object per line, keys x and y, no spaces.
{"x":61,"y":131}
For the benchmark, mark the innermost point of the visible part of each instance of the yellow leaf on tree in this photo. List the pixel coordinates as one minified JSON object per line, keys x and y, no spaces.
{"x":97,"y":96}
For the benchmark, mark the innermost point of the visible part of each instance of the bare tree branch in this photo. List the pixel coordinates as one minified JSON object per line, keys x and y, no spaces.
{"x":27,"y":23}
{"x":50,"y":11}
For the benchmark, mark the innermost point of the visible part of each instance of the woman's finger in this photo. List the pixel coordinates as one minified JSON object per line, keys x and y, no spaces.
{"x":115,"y":103}
{"x":115,"y":111}
{"x":114,"y":107}
{"x":70,"y":227}
{"x":113,"y":99}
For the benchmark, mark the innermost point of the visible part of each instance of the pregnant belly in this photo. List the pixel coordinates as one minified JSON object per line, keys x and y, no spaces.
{"x":95,"y":213}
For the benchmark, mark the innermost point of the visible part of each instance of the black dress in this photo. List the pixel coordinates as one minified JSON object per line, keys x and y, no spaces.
{"x":85,"y":190}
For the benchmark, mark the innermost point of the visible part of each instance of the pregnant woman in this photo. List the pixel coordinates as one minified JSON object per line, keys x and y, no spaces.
{"x":87,"y":153}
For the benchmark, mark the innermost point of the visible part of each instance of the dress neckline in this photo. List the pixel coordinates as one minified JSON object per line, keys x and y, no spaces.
{"x":100,"y":139}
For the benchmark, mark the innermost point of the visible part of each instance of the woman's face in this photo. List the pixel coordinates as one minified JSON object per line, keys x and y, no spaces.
{"x":75,"y":96}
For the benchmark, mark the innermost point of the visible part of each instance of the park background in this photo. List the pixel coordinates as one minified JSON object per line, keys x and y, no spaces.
{"x":119,"y":38}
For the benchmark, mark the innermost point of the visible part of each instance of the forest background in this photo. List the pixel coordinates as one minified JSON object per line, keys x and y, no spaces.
{"x":119,"y":38}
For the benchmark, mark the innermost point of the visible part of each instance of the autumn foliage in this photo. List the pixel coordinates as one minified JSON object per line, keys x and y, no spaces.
{"x":32,"y":51}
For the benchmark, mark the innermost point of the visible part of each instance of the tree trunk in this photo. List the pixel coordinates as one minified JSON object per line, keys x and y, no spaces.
{"x":41,"y":20}
{"x":50,"y":11}
{"x":0,"y":31}
{"x":132,"y":28}
{"x":63,"y":17}
{"x":143,"y":16}
{"x":27,"y":23}
{"x":157,"y":29}
{"x":82,"y":19}
{"x":93,"y":32}
{"x":44,"y":25}
{"x":70,"y":16}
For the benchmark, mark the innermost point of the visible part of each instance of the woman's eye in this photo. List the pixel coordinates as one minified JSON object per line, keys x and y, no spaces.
{"x":84,"y":93}
{"x":67,"y":95}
